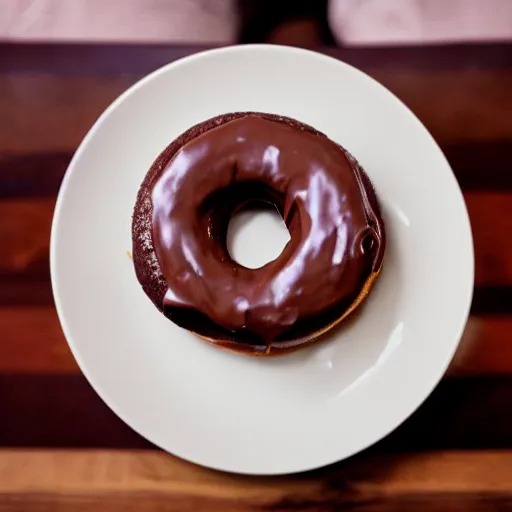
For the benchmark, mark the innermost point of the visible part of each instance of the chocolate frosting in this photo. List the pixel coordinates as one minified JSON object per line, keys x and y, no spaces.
{"x":336,"y":233}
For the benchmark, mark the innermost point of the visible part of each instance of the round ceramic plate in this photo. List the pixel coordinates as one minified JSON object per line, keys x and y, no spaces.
{"x":234,"y":412}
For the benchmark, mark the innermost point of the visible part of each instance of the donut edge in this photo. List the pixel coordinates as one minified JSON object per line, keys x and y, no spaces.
{"x":147,"y":268}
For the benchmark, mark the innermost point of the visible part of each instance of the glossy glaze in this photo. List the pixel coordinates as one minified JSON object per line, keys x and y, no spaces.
{"x":336,"y":236}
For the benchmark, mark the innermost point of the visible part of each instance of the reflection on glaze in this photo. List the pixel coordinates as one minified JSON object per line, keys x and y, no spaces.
{"x":394,"y":341}
{"x":321,"y":196}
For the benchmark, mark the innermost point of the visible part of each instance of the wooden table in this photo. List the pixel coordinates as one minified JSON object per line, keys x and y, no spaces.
{"x":62,"y":449}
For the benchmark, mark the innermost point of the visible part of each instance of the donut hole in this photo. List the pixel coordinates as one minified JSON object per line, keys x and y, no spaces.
{"x":256,"y":234}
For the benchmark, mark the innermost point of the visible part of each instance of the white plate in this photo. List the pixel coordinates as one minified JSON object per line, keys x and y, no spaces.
{"x":233,"y":412}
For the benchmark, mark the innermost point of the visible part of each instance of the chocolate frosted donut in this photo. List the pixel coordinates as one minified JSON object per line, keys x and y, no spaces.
{"x":234,"y":161}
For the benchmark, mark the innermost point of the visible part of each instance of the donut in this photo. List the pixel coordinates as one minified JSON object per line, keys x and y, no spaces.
{"x":241,"y":160}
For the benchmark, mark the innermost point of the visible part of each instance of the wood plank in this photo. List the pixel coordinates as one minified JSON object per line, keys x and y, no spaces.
{"x":114,"y":59}
{"x":491,"y":219}
{"x":464,"y":413}
{"x":456,"y":503}
{"x":25,"y":289}
{"x":151,"y":503}
{"x":491,"y":300}
{"x":107,"y":59}
{"x":59,"y":410}
{"x":485,"y":348}
{"x":42,"y":113}
{"x":25,"y":235}
{"x":32,"y":175}
{"x":32,"y":342}
{"x":448,"y":102}
{"x":25,"y":238}
{"x":134,"y":480}
{"x":481,"y":165}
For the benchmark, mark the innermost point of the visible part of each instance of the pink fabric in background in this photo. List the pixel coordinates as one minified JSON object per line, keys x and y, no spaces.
{"x":419,"y":21}
{"x":206,"y":21}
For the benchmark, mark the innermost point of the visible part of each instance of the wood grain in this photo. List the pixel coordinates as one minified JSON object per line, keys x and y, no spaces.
{"x":157,"y":503}
{"x":134,"y":480}
{"x":33,"y":342}
{"x":25,"y":289}
{"x":59,"y":411}
{"x":491,"y":219}
{"x":448,"y":102}
{"x":481,"y":165}
{"x":113,"y":59}
{"x":35,"y":175}
{"x":48,"y":113}
{"x":25,"y":235}
{"x":485,"y":348}
{"x":116,"y":59}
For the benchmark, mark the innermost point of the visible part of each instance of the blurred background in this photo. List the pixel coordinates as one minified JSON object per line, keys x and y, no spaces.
{"x":295,"y":22}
